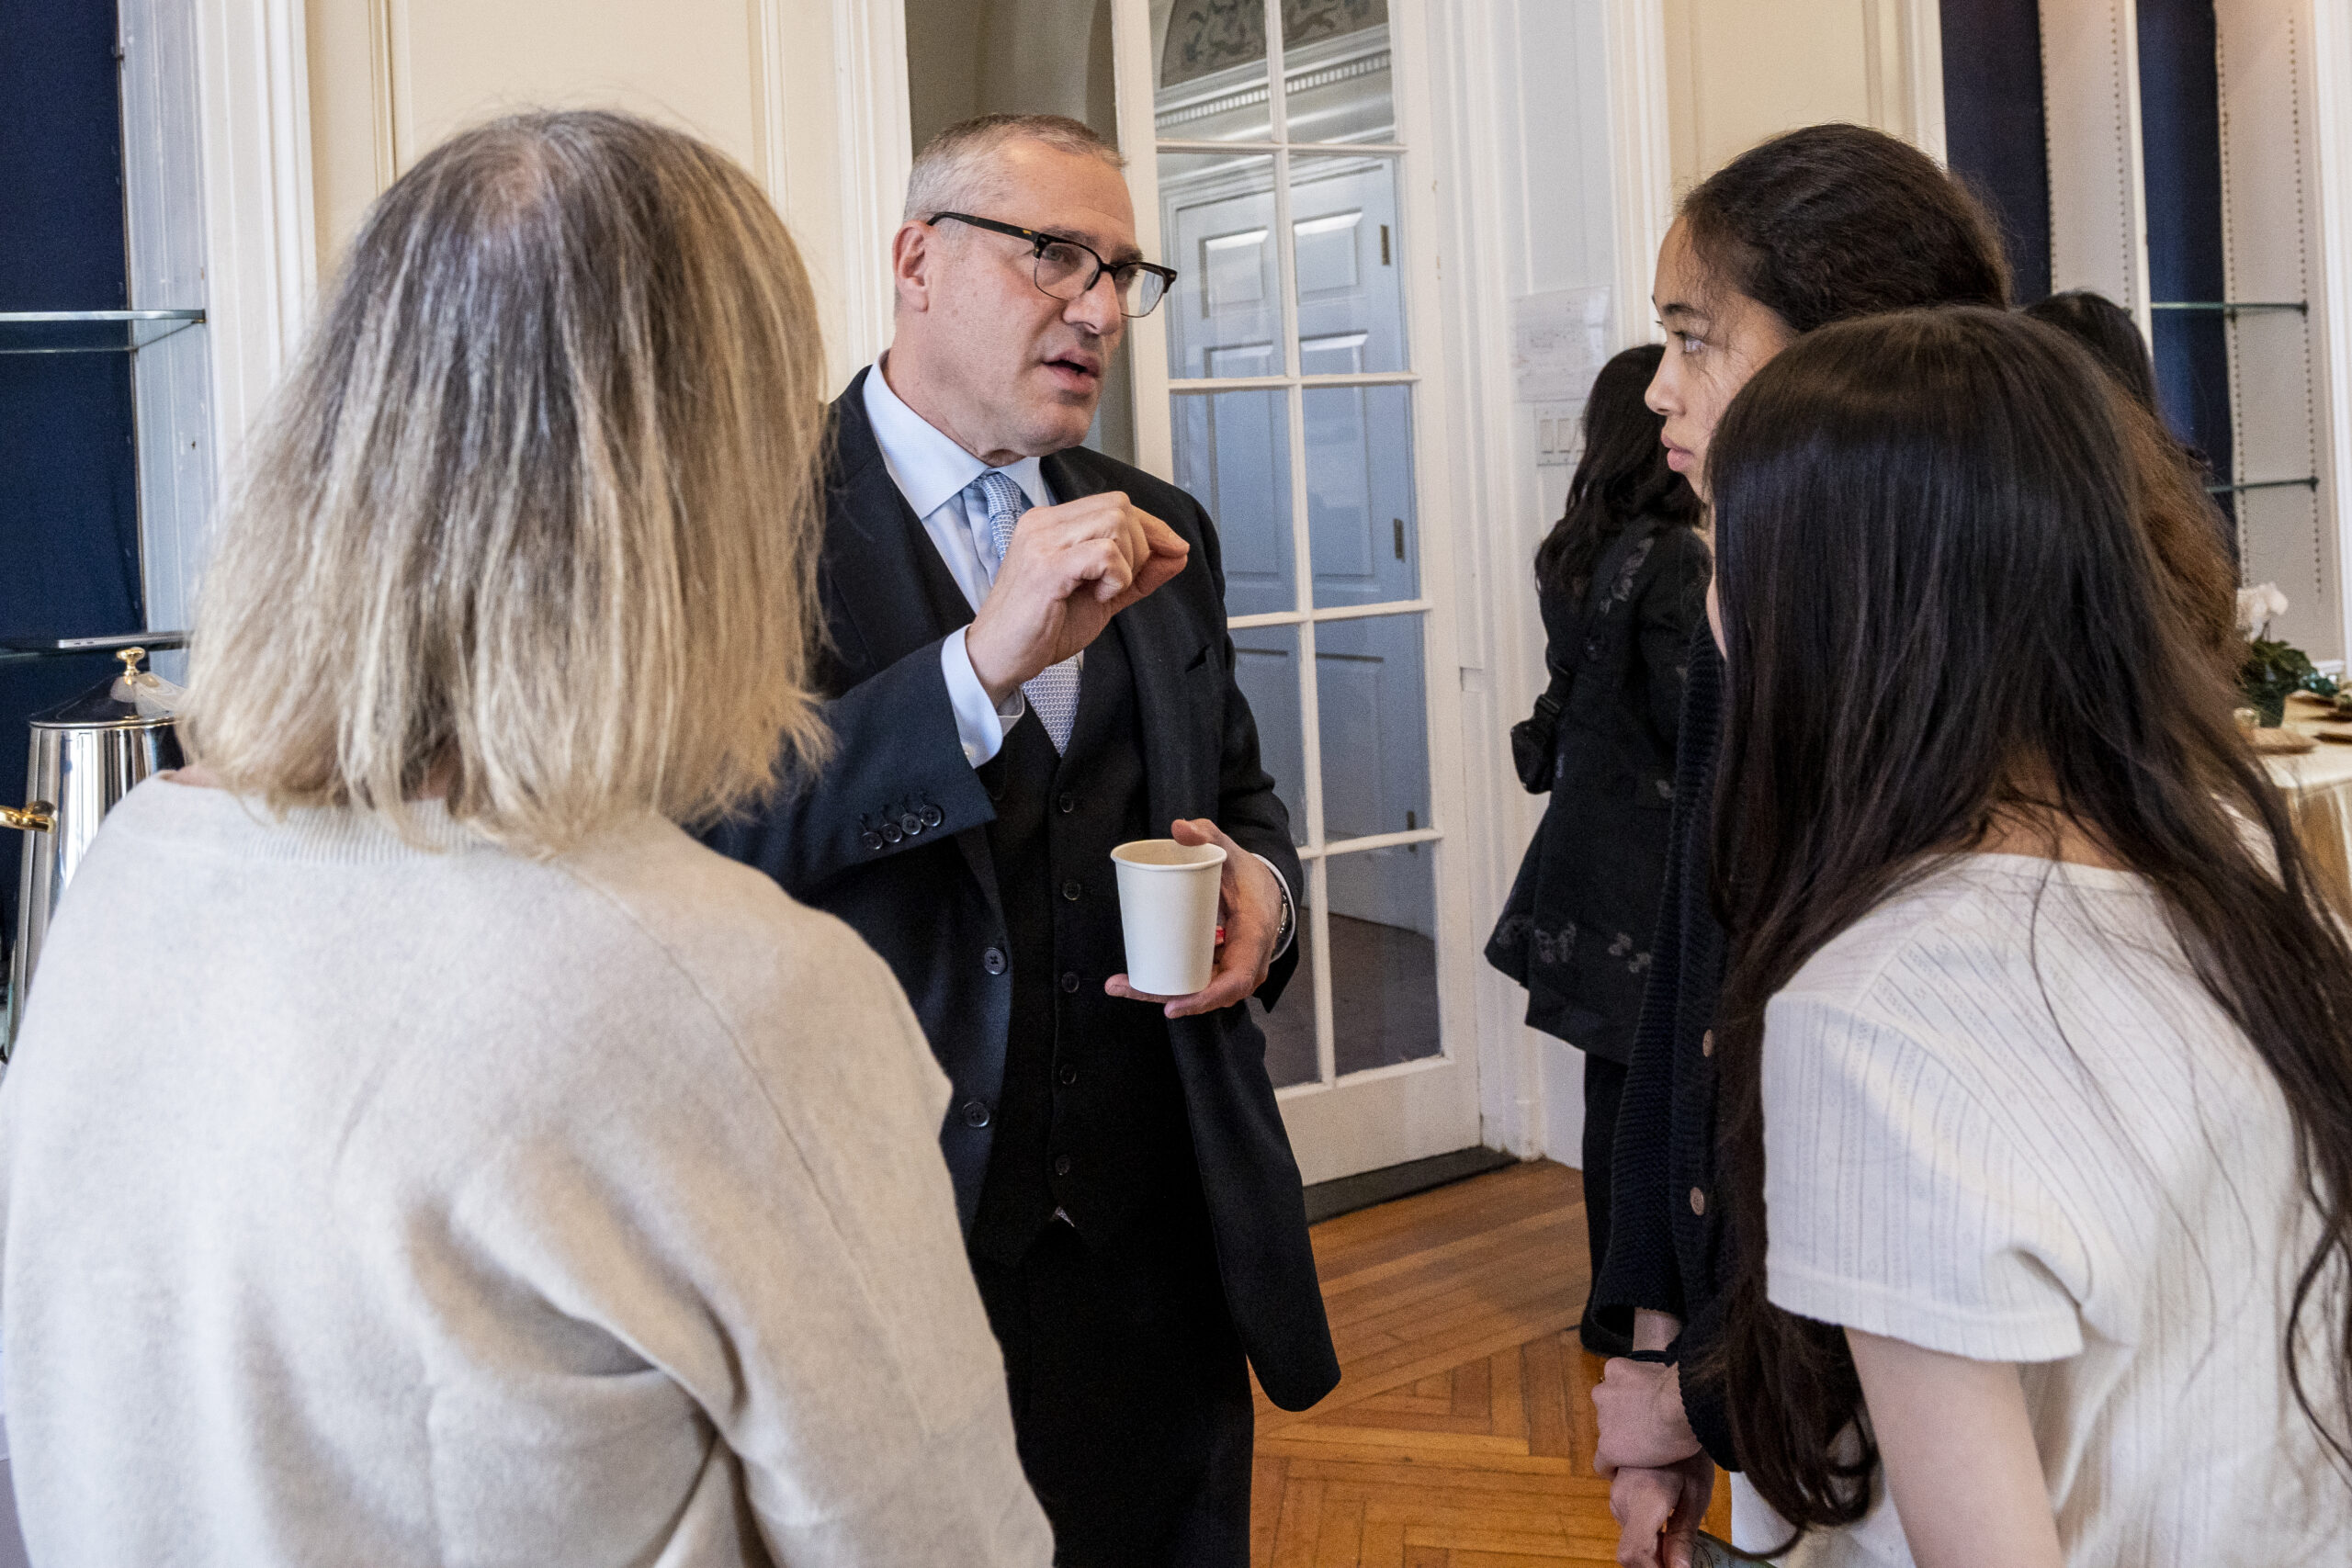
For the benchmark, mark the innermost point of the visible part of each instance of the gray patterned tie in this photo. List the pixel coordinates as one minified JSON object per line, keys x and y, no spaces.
{"x":1052,"y":692}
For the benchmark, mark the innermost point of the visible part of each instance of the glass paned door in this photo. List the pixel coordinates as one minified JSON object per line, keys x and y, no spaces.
{"x":1293,"y":389}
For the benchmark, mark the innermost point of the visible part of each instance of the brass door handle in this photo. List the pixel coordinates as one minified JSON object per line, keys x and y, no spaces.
{"x":34,"y":817}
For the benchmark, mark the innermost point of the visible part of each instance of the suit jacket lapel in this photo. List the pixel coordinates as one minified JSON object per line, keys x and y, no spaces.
{"x":883,"y":575}
{"x":881,"y":566}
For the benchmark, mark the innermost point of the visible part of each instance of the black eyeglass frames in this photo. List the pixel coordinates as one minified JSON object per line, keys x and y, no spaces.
{"x":1067,"y":270}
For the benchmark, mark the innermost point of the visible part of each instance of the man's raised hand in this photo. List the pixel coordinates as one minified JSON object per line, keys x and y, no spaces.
{"x":1069,"y":570}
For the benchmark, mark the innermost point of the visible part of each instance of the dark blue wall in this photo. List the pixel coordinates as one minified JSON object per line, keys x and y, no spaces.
{"x":2180,"y":142}
{"x":69,"y":516}
{"x":1995,"y":131}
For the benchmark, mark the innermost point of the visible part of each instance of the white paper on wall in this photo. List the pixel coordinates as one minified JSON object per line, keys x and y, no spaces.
{"x":1559,"y":340}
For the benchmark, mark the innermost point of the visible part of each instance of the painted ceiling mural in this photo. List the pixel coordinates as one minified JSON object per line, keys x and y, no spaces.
{"x":1208,"y":35}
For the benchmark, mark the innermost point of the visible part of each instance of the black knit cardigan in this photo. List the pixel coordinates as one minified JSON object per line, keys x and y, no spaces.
{"x":1669,"y":1244}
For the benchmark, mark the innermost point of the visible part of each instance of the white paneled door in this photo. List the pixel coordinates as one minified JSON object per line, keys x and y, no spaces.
{"x":1269,"y":147}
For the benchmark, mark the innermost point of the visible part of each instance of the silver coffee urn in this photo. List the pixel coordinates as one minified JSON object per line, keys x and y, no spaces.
{"x":86,"y":754}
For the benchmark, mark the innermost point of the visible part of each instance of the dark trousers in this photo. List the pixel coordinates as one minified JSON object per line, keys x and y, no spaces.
{"x":1130,"y":1398}
{"x":1604,"y":1333}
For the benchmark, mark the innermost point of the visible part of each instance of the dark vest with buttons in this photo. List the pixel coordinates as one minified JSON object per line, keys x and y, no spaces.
{"x":1091,"y":1118}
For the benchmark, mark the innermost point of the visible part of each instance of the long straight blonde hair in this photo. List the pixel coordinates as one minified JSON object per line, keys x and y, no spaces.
{"x":532,"y":523}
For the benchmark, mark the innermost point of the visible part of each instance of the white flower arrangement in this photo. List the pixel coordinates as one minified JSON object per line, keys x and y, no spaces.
{"x":2257,"y":607}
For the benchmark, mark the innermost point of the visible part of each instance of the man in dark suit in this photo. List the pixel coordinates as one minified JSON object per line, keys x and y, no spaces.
{"x":1030,"y":666}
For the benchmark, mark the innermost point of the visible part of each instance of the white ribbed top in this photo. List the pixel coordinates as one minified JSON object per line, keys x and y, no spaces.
{"x":2004,"y":1121}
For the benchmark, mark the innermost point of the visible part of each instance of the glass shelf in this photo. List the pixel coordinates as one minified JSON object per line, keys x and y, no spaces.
{"x":2310,"y":483}
{"x":22,"y":650}
{"x":90,"y":332}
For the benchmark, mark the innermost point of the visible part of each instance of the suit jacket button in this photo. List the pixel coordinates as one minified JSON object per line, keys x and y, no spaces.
{"x":1069,"y":982}
{"x":975,"y":1113}
{"x":993,"y":961}
{"x":891,"y":833}
{"x":1071,"y":891}
{"x":911,"y":824}
{"x":1698,"y":1201}
{"x":1061,"y":1165}
{"x":932,"y":817}
{"x":870,"y":839}
{"x":1067,"y":804}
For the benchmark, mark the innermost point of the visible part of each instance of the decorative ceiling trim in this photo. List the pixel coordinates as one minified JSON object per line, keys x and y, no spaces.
{"x":1205,"y":37}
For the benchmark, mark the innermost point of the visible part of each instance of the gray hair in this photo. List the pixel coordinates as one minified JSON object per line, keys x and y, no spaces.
{"x":957,"y":169}
{"x":532,"y":523}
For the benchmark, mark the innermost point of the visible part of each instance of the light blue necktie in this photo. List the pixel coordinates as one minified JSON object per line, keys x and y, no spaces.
{"x":1052,"y":692}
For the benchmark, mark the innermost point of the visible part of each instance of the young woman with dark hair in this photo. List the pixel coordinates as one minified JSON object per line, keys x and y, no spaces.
{"x":2180,"y":518}
{"x":1621,"y":581}
{"x":2107,"y":329}
{"x":2036,"y":1039}
{"x":1815,"y":226}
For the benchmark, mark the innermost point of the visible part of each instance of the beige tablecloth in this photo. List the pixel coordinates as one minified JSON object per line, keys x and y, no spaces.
{"x":2318,"y":786}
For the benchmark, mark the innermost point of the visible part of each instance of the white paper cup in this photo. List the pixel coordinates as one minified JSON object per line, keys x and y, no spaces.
{"x":1168,"y":904}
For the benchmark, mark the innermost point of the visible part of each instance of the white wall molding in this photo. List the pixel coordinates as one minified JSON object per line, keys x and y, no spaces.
{"x":1642,"y":155}
{"x":1922,"y":64}
{"x":877,"y":152}
{"x":260,"y":239}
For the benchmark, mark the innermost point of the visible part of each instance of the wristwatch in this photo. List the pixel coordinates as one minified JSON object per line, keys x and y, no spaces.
{"x":1287,"y":926}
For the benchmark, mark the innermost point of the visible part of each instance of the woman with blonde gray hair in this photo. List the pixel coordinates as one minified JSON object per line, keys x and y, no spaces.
{"x":419,"y":1150}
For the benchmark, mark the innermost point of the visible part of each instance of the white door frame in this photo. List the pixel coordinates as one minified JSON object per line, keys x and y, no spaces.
{"x":1405,"y":1111}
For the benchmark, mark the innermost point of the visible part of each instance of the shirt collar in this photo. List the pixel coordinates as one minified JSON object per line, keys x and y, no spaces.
{"x":928,"y":467}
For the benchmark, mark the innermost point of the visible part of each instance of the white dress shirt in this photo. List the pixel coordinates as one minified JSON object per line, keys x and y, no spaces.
{"x":934,"y":473}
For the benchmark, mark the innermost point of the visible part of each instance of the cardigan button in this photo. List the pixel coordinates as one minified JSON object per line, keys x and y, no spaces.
{"x":1698,"y":1201}
{"x":1707,"y":1043}
{"x":1073,"y":890}
{"x":975,"y":1115}
{"x":993,"y":961}
{"x":1066,"y":802}
{"x":1061,"y":1165}
{"x":1069,"y":982}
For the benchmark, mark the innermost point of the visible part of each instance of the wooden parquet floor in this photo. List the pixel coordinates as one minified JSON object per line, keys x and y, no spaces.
{"x":1461,"y":1434}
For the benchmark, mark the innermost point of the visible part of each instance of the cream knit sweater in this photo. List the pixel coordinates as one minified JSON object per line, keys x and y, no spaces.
{"x":367,"y":1203}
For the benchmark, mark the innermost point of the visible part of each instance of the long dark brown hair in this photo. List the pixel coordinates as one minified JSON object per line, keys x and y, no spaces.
{"x":1939,"y":603}
{"x":1622,"y":474}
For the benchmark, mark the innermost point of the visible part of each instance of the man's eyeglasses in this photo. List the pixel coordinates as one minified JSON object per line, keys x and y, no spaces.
{"x":1067,"y":270}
